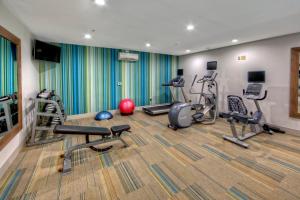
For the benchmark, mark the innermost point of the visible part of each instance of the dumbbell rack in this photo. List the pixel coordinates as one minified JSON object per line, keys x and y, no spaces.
{"x":48,"y":112}
{"x":5,"y":104}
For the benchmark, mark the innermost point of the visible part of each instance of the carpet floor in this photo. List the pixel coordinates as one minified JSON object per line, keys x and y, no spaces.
{"x":193,"y":163}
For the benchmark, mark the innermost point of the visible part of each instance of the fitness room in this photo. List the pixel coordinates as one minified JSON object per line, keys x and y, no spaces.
{"x":150,"y":99}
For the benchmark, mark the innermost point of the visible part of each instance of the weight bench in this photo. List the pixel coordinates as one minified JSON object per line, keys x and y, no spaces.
{"x":107,"y":135}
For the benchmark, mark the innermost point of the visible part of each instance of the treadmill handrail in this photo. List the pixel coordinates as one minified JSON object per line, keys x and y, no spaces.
{"x":166,"y":84}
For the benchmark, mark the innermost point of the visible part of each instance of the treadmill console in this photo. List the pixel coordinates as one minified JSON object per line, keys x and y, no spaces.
{"x":177,"y":82}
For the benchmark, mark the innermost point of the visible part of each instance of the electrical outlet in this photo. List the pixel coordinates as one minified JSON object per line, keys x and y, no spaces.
{"x":119,"y":83}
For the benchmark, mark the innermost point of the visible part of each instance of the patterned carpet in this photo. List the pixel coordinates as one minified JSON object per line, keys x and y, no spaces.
{"x":193,"y":163}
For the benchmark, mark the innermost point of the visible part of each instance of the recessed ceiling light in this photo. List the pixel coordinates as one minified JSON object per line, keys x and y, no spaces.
{"x":87,"y":36}
{"x":148,"y":45}
{"x":188,"y":51}
{"x":235,"y":41}
{"x":100,"y":2}
{"x":190,"y":27}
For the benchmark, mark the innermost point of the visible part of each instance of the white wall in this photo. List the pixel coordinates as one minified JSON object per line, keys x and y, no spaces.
{"x":29,"y":82}
{"x":271,"y":55}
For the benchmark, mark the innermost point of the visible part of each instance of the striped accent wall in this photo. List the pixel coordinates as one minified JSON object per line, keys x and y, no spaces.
{"x":8,"y":67}
{"x":87,"y":78}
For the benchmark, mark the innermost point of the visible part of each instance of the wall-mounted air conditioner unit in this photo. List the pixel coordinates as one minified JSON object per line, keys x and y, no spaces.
{"x":128,"y":56}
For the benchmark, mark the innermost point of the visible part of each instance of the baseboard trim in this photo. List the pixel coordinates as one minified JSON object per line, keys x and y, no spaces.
{"x":93,"y":114}
{"x":288,"y":130}
{"x":11,"y":159}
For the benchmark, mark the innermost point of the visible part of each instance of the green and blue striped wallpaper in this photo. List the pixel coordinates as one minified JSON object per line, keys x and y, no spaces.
{"x":8,"y":67}
{"x":87,"y":78}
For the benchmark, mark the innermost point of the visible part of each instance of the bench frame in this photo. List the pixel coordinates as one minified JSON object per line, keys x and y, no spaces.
{"x":67,"y":166}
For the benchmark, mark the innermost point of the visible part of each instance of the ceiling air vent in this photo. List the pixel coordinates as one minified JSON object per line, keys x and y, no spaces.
{"x":124,"y":56}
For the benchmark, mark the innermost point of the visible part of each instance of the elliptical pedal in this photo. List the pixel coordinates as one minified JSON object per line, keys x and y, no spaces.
{"x":198,"y":117}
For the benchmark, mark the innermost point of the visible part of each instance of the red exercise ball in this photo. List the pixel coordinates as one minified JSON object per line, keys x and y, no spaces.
{"x":126,"y":106}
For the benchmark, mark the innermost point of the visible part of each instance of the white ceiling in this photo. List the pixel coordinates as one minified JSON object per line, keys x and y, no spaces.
{"x":129,"y":24}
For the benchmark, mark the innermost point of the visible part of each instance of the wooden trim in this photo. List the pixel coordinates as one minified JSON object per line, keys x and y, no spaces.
{"x":294,"y":83}
{"x":9,"y":36}
{"x":9,"y":136}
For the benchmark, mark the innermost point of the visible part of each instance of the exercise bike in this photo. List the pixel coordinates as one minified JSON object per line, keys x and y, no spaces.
{"x":238,"y":113}
{"x":205,"y":110}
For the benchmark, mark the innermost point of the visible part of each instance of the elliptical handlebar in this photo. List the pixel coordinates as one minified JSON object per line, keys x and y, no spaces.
{"x":194,"y":79}
{"x":199,"y":81}
{"x":215,"y":76}
{"x":209,"y":77}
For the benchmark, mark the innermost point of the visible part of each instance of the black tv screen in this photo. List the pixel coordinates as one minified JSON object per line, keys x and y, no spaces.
{"x":256,"y":77}
{"x":46,"y":52}
{"x":212,"y":65}
{"x":179,"y":72}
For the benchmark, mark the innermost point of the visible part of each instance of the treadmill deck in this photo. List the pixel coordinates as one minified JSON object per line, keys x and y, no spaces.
{"x":158,"y":109}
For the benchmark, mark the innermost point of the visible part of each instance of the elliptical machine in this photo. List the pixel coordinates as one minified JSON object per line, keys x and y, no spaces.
{"x":238,"y":112}
{"x":206,"y":109}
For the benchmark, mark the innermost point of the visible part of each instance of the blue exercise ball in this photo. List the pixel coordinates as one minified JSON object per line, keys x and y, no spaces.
{"x":104,"y":115}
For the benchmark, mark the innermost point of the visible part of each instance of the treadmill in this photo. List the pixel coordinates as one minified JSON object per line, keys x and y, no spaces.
{"x":177,"y":82}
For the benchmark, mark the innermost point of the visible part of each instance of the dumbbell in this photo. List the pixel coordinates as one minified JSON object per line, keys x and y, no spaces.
{"x":50,"y":108}
{"x":56,"y":121}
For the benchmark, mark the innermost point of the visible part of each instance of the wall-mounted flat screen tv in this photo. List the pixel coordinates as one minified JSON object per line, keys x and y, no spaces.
{"x":256,"y":77}
{"x":47,"y":52}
